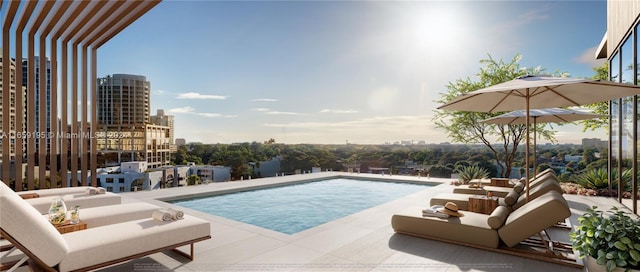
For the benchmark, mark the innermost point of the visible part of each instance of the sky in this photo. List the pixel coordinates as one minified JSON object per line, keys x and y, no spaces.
{"x":335,"y":72}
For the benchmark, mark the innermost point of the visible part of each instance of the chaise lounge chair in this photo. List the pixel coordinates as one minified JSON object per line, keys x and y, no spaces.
{"x":503,"y":191}
{"x":501,"y":231}
{"x":72,"y":196}
{"x":55,"y":191}
{"x":29,"y":231}
{"x":42,"y":204}
{"x":513,"y":200}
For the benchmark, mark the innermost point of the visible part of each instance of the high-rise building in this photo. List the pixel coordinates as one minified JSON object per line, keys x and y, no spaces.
{"x":123,"y":100}
{"x":164,"y":120}
{"x":34,"y":114}
{"x":122,"y":113}
{"x":125,"y":130}
{"x":12,"y":108}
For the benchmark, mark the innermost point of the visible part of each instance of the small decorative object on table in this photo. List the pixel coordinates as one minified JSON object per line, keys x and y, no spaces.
{"x":57,"y":211}
{"x":75,"y":215}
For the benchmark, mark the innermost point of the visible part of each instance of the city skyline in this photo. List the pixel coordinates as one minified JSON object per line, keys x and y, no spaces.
{"x":332,"y":72}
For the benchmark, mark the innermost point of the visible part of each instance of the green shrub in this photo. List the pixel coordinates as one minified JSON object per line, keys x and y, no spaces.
{"x":468,"y":173}
{"x":614,"y":241}
{"x":599,"y":178}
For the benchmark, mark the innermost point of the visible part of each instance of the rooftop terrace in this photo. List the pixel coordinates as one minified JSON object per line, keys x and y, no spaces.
{"x":363,"y":241}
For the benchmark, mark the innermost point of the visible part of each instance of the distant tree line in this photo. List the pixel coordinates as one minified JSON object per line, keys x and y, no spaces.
{"x":442,"y":160}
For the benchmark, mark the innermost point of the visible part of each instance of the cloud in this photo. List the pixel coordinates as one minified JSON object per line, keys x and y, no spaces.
{"x":181,"y":110}
{"x":338,"y":111}
{"x":260,"y":109}
{"x":192,"y":95}
{"x":588,"y":57}
{"x":159,"y":92}
{"x":534,"y":15}
{"x":190,"y":110}
{"x":208,"y":114}
{"x":282,"y":113}
{"x":265,"y":100}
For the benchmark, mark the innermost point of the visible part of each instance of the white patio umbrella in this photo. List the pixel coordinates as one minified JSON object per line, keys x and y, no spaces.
{"x":550,"y":115}
{"x":540,"y":91}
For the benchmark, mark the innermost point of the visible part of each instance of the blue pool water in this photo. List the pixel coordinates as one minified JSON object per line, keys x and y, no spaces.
{"x":294,"y":208}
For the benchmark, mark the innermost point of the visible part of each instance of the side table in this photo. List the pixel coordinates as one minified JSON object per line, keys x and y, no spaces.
{"x":482,"y":204}
{"x":66,"y":226}
{"x":501,"y":182}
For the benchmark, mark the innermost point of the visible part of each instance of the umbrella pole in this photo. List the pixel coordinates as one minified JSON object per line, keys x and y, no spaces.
{"x":527,"y":146}
{"x":535,"y":146}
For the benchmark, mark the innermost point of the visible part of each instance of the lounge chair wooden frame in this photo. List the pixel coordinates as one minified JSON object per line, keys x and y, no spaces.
{"x":552,"y":254}
{"x":42,"y":266}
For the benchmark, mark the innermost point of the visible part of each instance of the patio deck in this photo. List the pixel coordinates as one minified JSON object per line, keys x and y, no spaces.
{"x":363,"y":241}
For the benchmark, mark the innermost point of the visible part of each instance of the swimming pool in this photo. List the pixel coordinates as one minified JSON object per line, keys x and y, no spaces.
{"x":294,"y":208}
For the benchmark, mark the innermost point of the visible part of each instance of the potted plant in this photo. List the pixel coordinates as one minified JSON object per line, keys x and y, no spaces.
{"x":611,"y":241}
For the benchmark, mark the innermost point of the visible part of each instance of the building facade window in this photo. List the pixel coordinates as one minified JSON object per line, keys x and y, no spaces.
{"x":624,"y":125}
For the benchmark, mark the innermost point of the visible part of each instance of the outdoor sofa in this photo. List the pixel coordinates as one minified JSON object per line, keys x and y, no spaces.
{"x":101,"y":244}
{"x":502,"y":230}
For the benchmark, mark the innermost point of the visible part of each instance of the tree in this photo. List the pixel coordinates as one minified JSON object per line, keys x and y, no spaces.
{"x":466,"y":127}
{"x":602,"y":73}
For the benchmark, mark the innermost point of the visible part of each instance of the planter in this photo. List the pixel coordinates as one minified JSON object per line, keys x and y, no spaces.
{"x":592,"y":266}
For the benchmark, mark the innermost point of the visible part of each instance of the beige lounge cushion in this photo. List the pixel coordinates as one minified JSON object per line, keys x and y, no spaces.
{"x":113,"y":214}
{"x":534,"y":192}
{"x":511,"y":198}
{"x":57,"y":191}
{"x":81,"y":199}
{"x":497,"y":217}
{"x":518,"y":187}
{"x":472,"y":228}
{"x":538,"y":214}
{"x":496,"y":190}
{"x":462,"y":200}
{"x":101,"y":244}
{"x":25,"y":224}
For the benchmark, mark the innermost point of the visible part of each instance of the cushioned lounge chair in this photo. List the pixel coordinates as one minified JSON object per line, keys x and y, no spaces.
{"x":513,"y":200}
{"x":56,"y":191}
{"x":501,"y":231}
{"x":42,"y":204}
{"x":113,"y":214}
{"x":503,"y":191}
{"x":495,"y":190}
{"x":95,"y":247}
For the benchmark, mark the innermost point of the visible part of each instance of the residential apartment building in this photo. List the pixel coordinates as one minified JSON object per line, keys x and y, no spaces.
{"x":162,"y":119}
{"x":594,"y":143}
{"x":125,"y":130}
{"x":158,"y":145}
{"x":620,"y":47}
{"x":36,"y":106}
{"x":122,"y":115}
{"x":12,"y":108}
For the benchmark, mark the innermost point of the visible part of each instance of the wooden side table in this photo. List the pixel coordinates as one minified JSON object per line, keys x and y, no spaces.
{"x":66,"y":227}
{"x":501,"y":182}
{"x":482,"y":204}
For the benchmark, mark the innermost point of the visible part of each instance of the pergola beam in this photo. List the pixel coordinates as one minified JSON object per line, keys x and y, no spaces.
{"x":84,"y":26}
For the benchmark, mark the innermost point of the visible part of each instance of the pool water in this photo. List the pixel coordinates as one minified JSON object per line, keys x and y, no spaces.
{"x":294,"y":208}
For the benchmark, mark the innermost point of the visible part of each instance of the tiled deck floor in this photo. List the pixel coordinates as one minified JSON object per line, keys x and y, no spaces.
{"x":363,"y":241}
